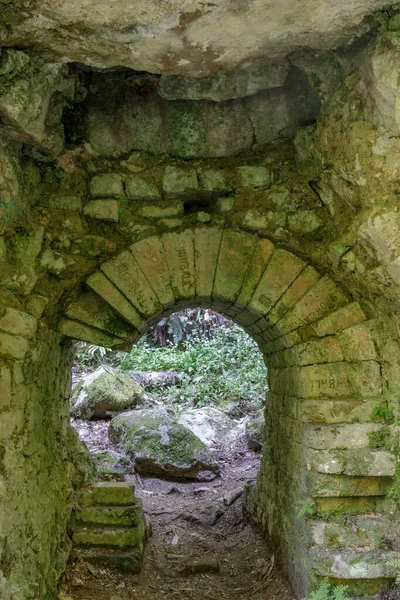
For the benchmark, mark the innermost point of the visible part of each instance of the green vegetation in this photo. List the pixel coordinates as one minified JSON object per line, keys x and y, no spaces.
{"x":326,"y":591}
{"x":222,"y":364}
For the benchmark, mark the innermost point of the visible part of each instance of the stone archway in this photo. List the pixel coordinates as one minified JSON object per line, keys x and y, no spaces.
{"x":324,"y":378}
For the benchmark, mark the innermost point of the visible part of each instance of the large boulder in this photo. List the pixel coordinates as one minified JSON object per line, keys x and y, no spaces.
{"x":212,"y":426}
{"x":149,"y":379}
{"x":103,"y":392}
{"x":160,"y":446}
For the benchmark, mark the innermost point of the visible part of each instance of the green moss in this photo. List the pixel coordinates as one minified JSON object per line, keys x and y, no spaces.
{"x":379,"y":439}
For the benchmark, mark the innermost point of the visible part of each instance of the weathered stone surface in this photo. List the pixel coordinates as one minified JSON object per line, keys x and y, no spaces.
{"x":138,"y":188}
{"x":108,"y":185}
{"x":149,"y":254}
{"x":236,"y":248}
{"x":255,"y":434}
{"x":159,"y":211}
{"x":179,"y":255}
{"x":72,"y":203}
{"x":104,"y":391}
{"x":211,"y":426}
{"x":304,"y":222}
{"x":124,"y":516}
{"x":85,"y":333}
{"x":110,"y":466}
{"x":357,"y":435}
{"x":355,"y":462}
{"x":102,"y":210}
{"x":254,"y":176}
{"x":17,"y":322}
{"x":109,"y":493}
{"x":158,"y":446}
{"x":207,"y":243}
{"x":225,"y":86}
{"x":179,"y":182}
{"x":116,"y":537}
{"x":214,"y":181}
{"x":12,"y":346}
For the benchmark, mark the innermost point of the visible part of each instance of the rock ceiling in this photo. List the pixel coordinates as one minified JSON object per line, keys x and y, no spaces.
{"x":186,"y":37}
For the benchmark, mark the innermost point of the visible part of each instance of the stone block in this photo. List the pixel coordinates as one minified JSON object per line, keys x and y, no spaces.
{"x":326,"y":350}
{"x":281,"y":271}
{"x":71,"y":203}
{"x":225,"y":204}
{"x":156,"y":211}
{"x":355,"y":462}
{"x":36,"y":305}
{"x":265,"y":220}
{"x":79,"y":331}
{"x":254,"y":176}
{"x":103,"y":286}
{"x":140,"y":188}
{"x":125,"y":273}
{"x":213,"y":181}
{"x":5,"y":387}
{"x":357,"y":343}
{"x":343,"y":318}
{"x":150,"y":256}
{"x":304,"y":222}
{"x":125,"y":516}
{"x":115,"y":537}
{"x":109,"y":185}
{"x":324,"y":297}
{"x":346,"y":506}
{"x":235,"y":254}
{"x":328,"y":437}
{"x":360,"y":532}
{"x":113,"y":493}
{"x":335,"y":411}
{"x":57,"y":264}
{"x":304,"y":282}
{"x":12,"y":346}
{"x":17,"y":322}
{"x":127,"y":561}
{"x":179,"y":254}
{"x":203,"y":217}
{"x":92,"y":310}
{"x":102,"y":210}
{"x":351,"y":564}
{"x":342,"y":485}
{"x":207,"y":242}
{"x":180,"y":183}
{"x":262,"y":253}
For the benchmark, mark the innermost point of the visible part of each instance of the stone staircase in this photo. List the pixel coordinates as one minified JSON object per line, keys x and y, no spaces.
{"x":109,"y":526}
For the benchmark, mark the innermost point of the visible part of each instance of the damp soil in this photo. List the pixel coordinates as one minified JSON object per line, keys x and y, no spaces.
{"x":201,"y":547}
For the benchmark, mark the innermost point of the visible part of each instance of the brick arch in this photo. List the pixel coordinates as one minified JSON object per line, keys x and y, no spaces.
{"x":324,"y":380}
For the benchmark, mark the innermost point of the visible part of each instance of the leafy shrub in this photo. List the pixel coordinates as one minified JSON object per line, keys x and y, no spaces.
{"x":326,"y":591}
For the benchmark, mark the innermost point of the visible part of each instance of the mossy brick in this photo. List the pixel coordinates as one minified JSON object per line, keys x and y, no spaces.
{"x":203,"y":217}
{"x":365,"y":378}
{"x":113,"y":493}
{"x":207,"y":242}
{"x":301,"y":285}
{"x":36,"y":305}
{"x":180,"y":183}
{"x":225,"y":204}
{"x":281,"y":271}
{"x":331,"y":437}
{"x":141,"y":188}
{"x":264,"y":220}
{"x":102,"y":210}
{"x":150,"y":256}
{"x":304,"y":222}
{"x":17,"y":322}
{"x":92,"y":310}
{"x":103,"y":286}
{"x":262,"y":253}
{"x":324,"y":297}
{"x":343,"y":318}
{"x":12,"y":346}
{"x":374,"y":463}
{"x":350,"y":564}
{"x":213,"y":181}
{"x":326,"y":461}
{"x":315,"y":381}
{"x":179,"y":255}
{"x":125,"y":273}
{"x":342,"y":485}
{"x":359,"y":532}
{"x":235,"y":254}
{"x":326,"y":350}
{"x":126,"y":561}
{"x":118,"y":537}
{"x":69,"y":203}
{"x":345,"y":505}
{"x":160,"y":211}
{"x":335,"y":411}
{"x":126,"y":516}
{"x":85,"y":333}
{"x":253,"y":176}
{"x":357,"y":343}
{"x":5,"y":387}
{"x":109,"y":185}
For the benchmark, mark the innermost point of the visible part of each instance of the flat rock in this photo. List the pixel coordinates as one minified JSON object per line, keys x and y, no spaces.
{"x":212,"y":426}
{"x":104,"y":391}
{"x":159,"y":446}
{"x":111,"y":465}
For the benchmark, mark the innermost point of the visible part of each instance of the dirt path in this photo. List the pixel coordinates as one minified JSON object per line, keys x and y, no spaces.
{"x":201,"y":547}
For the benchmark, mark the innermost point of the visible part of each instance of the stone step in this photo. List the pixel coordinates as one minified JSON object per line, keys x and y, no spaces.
{"x":129,"y":560}
{"x":107,"y":493}
{"x":117,"y":537}
{"x":123,"y":516}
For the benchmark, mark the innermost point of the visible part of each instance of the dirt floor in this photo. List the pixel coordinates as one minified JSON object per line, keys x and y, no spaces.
{"x":201,"y":546}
